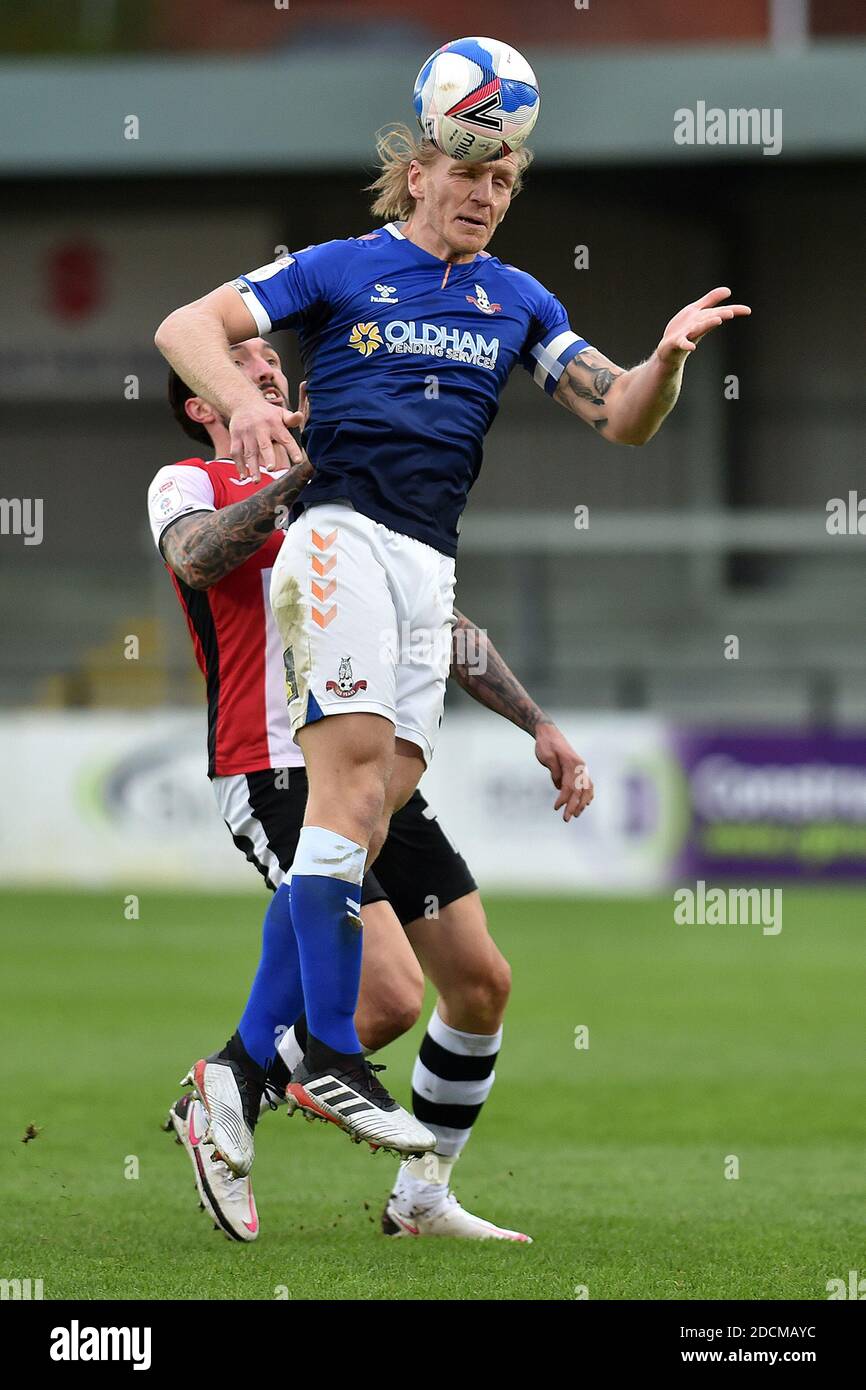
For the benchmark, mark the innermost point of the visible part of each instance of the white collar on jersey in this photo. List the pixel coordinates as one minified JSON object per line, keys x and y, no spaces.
{"x":394,"y":229}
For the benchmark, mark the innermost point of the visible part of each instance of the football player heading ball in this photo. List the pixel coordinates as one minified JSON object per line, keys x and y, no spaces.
{"x":371,"y":558}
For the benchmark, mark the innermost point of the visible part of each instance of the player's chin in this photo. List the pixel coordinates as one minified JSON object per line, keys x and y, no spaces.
{"x":469,"y":238}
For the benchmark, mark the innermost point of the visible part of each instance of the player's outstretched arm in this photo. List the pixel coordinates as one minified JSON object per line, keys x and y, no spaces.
{"x":627,"y":407}
{"x":195,"y":339}
{"x":206,"y":546}
{"x":480,"y":670}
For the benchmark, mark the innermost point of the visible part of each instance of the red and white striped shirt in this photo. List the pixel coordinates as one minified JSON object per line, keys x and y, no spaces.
{"x":236,"y":642}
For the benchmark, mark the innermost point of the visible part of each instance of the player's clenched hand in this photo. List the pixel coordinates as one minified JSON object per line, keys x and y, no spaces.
{"x":254,"y":431}
{"x":692,"y":323}
{"x":567,"y":771}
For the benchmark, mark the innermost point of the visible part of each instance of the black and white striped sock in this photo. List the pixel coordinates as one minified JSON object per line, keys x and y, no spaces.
{"x":452,"y":1079}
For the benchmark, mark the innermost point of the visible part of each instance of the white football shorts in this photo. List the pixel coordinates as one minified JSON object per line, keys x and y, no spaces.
{"x":365,"y":616}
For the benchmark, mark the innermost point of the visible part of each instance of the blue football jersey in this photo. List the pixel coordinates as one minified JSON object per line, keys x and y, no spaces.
{"x":405,"y":357}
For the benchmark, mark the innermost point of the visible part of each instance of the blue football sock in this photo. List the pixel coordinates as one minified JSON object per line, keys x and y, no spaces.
{"x":276,"y":997}
{"x":326,"y":911}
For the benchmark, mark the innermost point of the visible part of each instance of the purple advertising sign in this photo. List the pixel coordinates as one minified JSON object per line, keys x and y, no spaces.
{"x":791,"y":805}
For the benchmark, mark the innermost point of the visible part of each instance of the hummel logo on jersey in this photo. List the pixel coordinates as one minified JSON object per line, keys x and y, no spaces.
{"x":481,"y":301}
{"x":344,"y":685}
{"x":365,"y":338}
{"x":387,"y":295}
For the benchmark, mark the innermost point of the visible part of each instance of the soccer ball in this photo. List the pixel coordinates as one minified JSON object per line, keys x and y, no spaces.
{"x":476,"y":99}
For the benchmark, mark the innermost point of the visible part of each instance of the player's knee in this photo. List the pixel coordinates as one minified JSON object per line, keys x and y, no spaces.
{"x":349,"y":767}
{"x":495,"y":987}
{"x":367,"y":797}
{"x":501,"y":982}
{"x":377,"y":839}
{"x":390,"y":1015}
{"x":482,"y":995}
{"x":358,"y":799}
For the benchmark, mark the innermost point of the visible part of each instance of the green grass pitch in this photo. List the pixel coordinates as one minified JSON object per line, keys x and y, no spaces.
{"x":704,"y":1042}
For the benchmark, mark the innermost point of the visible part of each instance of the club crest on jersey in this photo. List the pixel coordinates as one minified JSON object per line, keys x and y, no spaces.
{"x":365,"y":338}
{"x":344,"y":685}
{"x":482,"y":302}
{"x":387,"y":295}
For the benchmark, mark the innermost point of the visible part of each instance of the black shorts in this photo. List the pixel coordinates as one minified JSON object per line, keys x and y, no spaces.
{"x":419,"y":871}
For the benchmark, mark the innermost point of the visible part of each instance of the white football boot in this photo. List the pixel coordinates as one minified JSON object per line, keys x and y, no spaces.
{"x":443,"y":1217}
{"x":226,"y":1198}
{"x":232,"y":1109}
{"x":353,"y":1099}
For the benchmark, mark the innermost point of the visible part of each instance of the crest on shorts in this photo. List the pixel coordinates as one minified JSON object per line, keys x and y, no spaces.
{"x":344,"y":685}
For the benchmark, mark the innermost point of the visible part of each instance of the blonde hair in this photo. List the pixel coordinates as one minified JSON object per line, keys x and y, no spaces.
{"x":396,"y":147}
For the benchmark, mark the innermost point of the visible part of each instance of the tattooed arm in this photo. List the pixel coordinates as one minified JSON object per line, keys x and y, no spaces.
{"x":480,"y":670}
{"x":204,"y":547}
{"x":584,"y":386}
{"x":627,"y":407}
{"x":477,"y":666}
